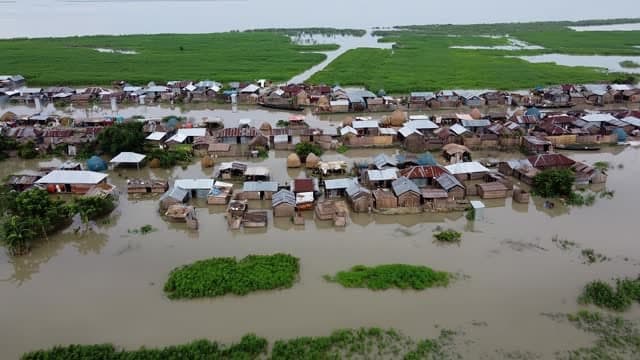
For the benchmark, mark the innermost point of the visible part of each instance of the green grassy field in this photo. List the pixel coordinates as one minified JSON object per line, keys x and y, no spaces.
{"x":222,"y":57}
{"x":423,"y":59}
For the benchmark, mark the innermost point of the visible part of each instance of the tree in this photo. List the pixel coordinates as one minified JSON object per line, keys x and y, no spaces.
{"x":305,"y":148}
{"x":122,"y":137}
{"x":554,"y":182}
{"x":92,"y":207}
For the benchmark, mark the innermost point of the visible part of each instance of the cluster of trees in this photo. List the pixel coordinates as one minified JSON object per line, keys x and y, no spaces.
{"x":305,"y":148}
{"x":128,"y":136}
{"x":28,"y":217}
{"x":554,"y":183}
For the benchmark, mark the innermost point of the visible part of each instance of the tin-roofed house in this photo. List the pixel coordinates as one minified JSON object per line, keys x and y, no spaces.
{"x":71,"y":181}
{"x":259,"y":190}
{"x":230,"y":170}
{"x":534,"y":145}
{"x":379,"y":178}
{"x":467,"y":170}
{"x":360,"y":198}
{"x":334,"y":188}
{"x":435,"y":199}
{"x":454,"y":188}
{"x":551,"y":161}
{"x":197,"y":187}
{"x":174,"y":196}
{"x":283,"y":203}
{"x":407,"y":192}
{"x":422,"y":176}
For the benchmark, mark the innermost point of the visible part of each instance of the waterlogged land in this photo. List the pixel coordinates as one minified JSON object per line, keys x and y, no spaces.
{"x":433,"y":57}
{"x":139,"y":59}
{"x":513,"y":271}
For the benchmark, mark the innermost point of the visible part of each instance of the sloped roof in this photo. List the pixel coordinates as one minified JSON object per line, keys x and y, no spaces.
{"x":193,"y":132}
{"x":550,"y":160}
{"x":355,"y":189}
{"x":194,"y":184}
{"x":632,"y":120}
{"x":403,"y":185}
{"x":598,"y":117}
{"x":476,"y":123}
{"x":128,"y":158}
{"x":72,"y":177}
{"x":422,"y":172}
{"x":303,"y":185}
{"x":382,"y":175}
{"x":421,"y":124}
{"x":458,"y":129}
{"x":466,"y":168}
{"x":382,"y":160}
{"x":448,"y":181}
{"x":333,"y":184}
{"x":283,"y":197}
{"x":252,"y":186}
{"x":156,"y":136}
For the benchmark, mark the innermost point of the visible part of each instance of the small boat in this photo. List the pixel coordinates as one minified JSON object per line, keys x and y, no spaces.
{"x":577,"y":147}
{"x":290,"y":107}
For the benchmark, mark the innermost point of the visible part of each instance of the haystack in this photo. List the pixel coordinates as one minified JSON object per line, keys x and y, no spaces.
{"x":207,"y":162}
{"x":348,"y":121}
{"x":398,"y":118}
{"x":154,"y":163}
{"x":9,"y":116}
{"x":266,"y":128}
{"x":323,"y":103}
{"x":312,"y":161}
{"x":293,"y":161}
{"x":476,"y":114}
{"x":302,"y":99}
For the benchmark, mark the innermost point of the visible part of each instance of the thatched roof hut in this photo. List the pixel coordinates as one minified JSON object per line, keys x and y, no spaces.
{"x":397,"y":118}
{"x":302,"y":99}
{"x":266,"y":128}
{"x":323,"y":103}
{"x":476,"y":114}
{"x":9,"y":116}
{"x":348,"y":121}
{"x":207,"y":162}
{"x":293,"y":161}
{"x":154,"y":163}
{"x":312,"y":160}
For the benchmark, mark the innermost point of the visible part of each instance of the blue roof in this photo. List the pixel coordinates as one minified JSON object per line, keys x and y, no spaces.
{"x":95,"y":163}
{"x":533,"y":112}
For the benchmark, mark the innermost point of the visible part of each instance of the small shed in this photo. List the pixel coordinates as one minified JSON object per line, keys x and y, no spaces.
{"x":197,"y":187}
{"x":360,"y":198}
{"x":173,"y":196}
{"x":255,"y":219}
{"x":259,"y":190}
{"x":478,"y":209}
{"x":452,"y":186}
{"x":435,"y":198}
{"x":337,"y":187}
{"x":143,"y":186}
{"x":534,"y":145}
{"x":521,"y":196}
{"x":492,"y":190}
{"x":128,"y":158}
{"x":283,"y":203}
{"x":384,"y":199}
{"x":407,"y":192}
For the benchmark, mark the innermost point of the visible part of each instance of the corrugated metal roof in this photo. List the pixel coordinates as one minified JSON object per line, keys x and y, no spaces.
{"x":422,"y":172}
{"x":434,"y":193}
{"x":424,"y":94}
{"x":466,"y":168}
{"x":193,"y":132}
{"x":253,"y":186}
{"x":406,"y":131}
{"x":72,"y":177}
{"x":476,"y":123}
{"x":304,"y":197}
{"x":599,"y":117}
{"x":387,"y":131}
{"x":176,"y":193}
{"x":283,"y":197}
{"x":632,"y":120}
{"x":156,"y":135}
{"x":257,"y":171}
{"x":383,"y":160}
{"x":236,"y":132}
{"x":365,"y":124}
{"x":335,"y":184}
{"x":194,"y":184}
{"x":423,"y":124}
{"x":550,"y":160}
{"x":303,"y":185}
{"x":458,"y":129}
{"x":281,"y":139}
{"x":536,"y":141}
{"x":382,"y":175}
{"x":355,"y":189}
{"x":403,"y":185}
{"x":128,"y":158}
{"x":179,"y":138}
{"x":348,"y":130}
{"x":448,"y":182}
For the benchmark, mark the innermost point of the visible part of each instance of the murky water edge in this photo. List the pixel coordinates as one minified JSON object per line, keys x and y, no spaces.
{"x":106,"y":286}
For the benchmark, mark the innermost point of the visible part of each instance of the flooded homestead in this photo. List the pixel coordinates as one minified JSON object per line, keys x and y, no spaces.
{"x":105,"y":285}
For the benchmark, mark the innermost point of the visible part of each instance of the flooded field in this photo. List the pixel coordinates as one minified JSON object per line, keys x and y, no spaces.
{"x":606,"y":62}
{"x":105,"y":285}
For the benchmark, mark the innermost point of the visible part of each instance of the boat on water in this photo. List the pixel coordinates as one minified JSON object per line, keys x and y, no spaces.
{"x":577,"y":147}
{"x":289,"y":107}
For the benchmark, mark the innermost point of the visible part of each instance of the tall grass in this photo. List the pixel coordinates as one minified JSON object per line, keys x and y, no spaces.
{"x":384,"y":277}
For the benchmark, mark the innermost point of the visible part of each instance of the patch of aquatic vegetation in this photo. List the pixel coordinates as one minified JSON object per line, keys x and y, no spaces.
{"x":521,"y":246}
{"x":564,"y":244}
{"x":617,"y":338}
{"x":620,"y":298}
{"x":590,"y":256}
{"x":371,"y":343}
{"x":383,"y":277}
{"x":448,"y":236}
{"x":143,"y":230}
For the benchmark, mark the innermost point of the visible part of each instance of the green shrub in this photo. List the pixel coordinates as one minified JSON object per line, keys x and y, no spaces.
{"x":221,"y":276}
{"x":305,"y":148}
{"x":604,"y":295}
{"x":384,"y":277}
{"x":27,"y":150}
{"x":342,"y":149}
{"x":554,"y":182}
{"x":448,"y":235}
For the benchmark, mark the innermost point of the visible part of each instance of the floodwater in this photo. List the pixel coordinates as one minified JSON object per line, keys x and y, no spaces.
{"x":105,"y":285}
{"x":346,"y":43}
{"x":514,"y":45}
{"x":607,"y":62}
{"x":38,"y":18}
{"x":616,"y":27}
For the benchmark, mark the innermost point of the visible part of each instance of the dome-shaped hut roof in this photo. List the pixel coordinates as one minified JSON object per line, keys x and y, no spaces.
{"x":293,"y":161}
{"x":476,"y":114}
{"x":95,"y":163}
{"x":398,"y":117}
{"x":348,"y":121}
{"x":312,"y":160}
{"x":266,"y":128}
{"x":207,"y":162}
{"x":155,"y":163}
{"x":534,"y":111}
{"x":9,"y":116}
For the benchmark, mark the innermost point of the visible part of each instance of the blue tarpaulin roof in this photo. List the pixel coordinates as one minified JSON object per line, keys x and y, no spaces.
{"x":95,"y":163}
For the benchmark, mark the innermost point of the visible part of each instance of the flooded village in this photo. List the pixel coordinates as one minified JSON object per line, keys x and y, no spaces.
{"x":337,"y":176}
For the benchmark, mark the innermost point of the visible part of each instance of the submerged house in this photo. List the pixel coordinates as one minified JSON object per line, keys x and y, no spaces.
{"x":422,"y":176}
{"x":337,"y":187}
{"x":259,"y":190}
{"x":174,"y":196}
{"x":379,"y":178}
{"x":384,"y":199}
{"x":452,"y":186}
{"x":467,"y":170}
{"x":196,"y":187}
{"x":359,"y":197}
{"x":71,"y":181}
{"x":283,"y":203}
{"x":551,"y":161}
{"x":407,"y":192}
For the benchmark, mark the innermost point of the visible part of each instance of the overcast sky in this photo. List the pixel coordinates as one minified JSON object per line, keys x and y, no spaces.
{"x":76,"y":17}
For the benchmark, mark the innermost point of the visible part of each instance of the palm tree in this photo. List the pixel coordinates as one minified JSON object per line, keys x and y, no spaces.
{"x":17,"y":235}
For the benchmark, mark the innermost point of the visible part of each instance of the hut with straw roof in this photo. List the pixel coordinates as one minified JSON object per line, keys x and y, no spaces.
{"x":475,"y":114}
{"x":348,"y":121}
{"x":9,"y":116}
{"x":293,"y":161}
{"x":397,"y":118}
{"x":312,"y":160}
{"x":323,"y":104}
{"x":302,"y":99}
{"x":207,"y":161}
{"x":266,"y":128}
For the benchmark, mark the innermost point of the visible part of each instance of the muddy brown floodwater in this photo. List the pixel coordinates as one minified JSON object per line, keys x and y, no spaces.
{"x":106,"y":285}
